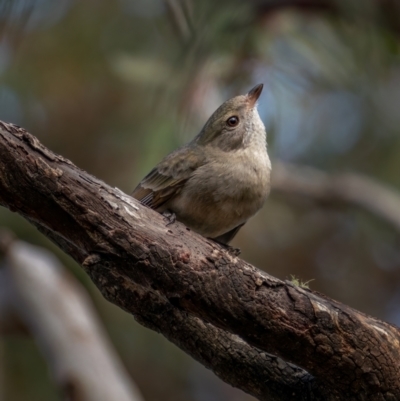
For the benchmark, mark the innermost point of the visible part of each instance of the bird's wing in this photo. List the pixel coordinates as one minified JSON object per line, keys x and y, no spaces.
{"x":167,"y":179}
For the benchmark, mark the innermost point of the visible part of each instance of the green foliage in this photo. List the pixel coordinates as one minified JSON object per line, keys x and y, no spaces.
{"x":299,"y":283}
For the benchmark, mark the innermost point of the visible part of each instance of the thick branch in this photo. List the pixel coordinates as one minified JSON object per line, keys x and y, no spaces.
{"x":158,"y":273}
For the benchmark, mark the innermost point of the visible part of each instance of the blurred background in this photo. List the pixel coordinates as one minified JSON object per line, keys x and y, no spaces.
{"x":114,"y":85}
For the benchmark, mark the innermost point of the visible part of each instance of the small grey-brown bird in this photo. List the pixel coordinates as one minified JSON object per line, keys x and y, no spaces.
{"x":216,"y":182}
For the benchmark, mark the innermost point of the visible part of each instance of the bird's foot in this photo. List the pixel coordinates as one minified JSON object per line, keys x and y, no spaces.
{"x":232,"y":250}
{"x":170,"y":217}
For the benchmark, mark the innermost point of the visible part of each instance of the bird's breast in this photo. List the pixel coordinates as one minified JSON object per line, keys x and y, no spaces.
{"x":224,"y":192}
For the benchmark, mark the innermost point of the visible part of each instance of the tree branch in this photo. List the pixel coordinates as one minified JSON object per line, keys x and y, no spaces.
{"x":59,"y":315}
{"x":183,"y":285}
{"x":388,"y":10}
{"x":378,"y":199}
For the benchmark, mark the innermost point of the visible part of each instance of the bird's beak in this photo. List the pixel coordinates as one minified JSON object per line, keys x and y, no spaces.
{"x":254,"y":94}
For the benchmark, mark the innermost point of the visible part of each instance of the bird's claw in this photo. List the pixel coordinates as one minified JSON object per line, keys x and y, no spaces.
{"x":170,"y":217}
{"x":233,"y":251}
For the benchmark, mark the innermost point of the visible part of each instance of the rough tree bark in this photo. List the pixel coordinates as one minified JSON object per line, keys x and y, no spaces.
{"x":248,"y":327}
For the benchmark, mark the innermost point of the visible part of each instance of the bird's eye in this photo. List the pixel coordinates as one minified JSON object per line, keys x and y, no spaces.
{"x":233,"y":121}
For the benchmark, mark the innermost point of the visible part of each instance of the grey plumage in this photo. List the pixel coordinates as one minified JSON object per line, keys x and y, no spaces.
{"x":216,"y":182}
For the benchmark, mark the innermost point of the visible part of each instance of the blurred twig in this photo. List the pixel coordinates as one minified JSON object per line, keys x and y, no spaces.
{"x":58,"y":313}
{"x":351,"y":188}
{"x":389,"y":10}
{"x":178,"y":13}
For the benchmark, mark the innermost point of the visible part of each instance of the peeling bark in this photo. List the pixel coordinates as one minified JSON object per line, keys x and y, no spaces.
{"x":224,"y":312}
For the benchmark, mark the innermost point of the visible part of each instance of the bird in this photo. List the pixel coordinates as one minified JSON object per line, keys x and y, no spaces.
{"x":218,"y":180}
